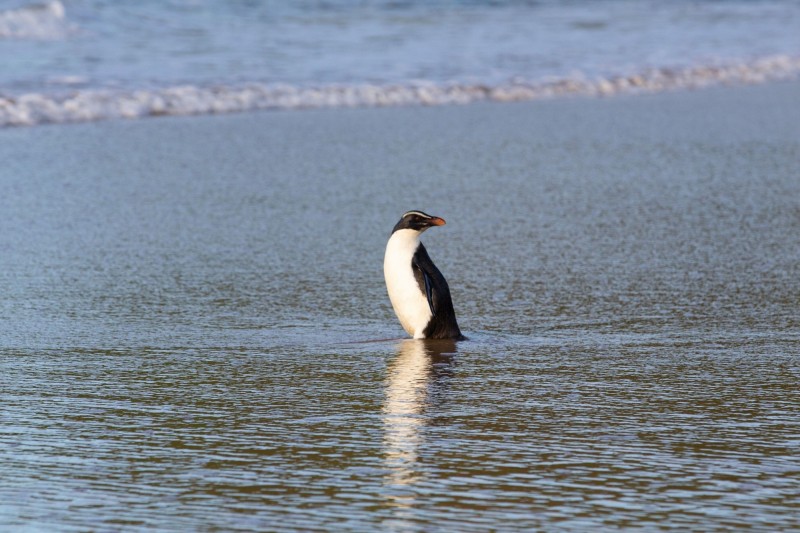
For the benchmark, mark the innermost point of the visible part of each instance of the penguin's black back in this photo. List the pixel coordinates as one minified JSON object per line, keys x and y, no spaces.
{"x":443,"y":324}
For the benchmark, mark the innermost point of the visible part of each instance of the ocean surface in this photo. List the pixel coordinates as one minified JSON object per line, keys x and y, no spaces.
{"x":84,"y":60}
{"x":195,"y":333}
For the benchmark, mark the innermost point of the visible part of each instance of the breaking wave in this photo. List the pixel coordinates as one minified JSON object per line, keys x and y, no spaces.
{"x":38,"y":21}
{"x":91,"y":105}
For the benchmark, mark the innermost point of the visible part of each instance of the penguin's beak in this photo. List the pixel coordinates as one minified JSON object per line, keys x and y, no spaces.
{"x":436,"y":221}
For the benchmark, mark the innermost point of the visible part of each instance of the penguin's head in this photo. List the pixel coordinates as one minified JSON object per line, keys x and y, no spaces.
{"x":417,"y":221}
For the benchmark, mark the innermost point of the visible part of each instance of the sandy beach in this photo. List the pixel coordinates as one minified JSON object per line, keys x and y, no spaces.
{"x":180,"y":295}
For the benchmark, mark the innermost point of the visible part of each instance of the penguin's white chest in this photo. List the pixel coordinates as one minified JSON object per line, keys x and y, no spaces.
{"x":409,"y":302}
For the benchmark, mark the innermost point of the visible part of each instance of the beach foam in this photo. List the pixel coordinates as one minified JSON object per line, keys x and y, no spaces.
{"x":91,"y":105}
{"x":36,"y":21}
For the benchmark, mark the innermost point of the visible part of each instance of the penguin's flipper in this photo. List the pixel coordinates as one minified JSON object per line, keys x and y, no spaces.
{"x":424,"y":279}
{"x":443,"y":324}
{"x":429,"y":291}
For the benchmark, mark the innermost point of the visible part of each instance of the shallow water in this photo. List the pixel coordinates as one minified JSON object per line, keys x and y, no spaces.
{"x":192,"y":310}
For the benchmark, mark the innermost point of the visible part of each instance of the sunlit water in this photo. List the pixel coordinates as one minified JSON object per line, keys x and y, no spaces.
{"x":193,"y":314}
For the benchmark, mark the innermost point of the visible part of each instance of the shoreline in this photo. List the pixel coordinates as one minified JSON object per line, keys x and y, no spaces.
{"x":95,"y":105}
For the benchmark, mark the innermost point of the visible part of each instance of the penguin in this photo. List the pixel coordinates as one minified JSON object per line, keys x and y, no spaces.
{"x":417,"y":289}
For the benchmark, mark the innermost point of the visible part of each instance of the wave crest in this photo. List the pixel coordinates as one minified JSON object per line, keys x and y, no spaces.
{"x":92,"y":105}
{"x":36,"y":21}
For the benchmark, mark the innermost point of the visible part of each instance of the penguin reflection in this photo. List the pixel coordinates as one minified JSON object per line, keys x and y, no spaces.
{"x":415,"y":380}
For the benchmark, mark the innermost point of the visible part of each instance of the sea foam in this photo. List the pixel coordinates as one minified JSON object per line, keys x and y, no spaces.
{"x":38,"y":21}
{"x":91,"y":105}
